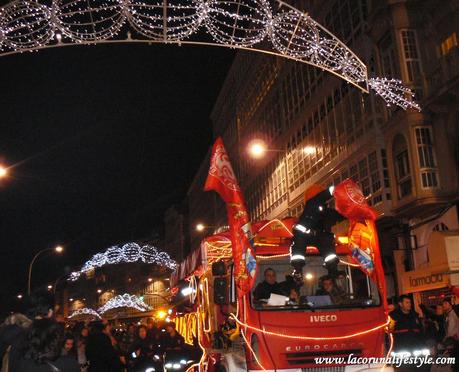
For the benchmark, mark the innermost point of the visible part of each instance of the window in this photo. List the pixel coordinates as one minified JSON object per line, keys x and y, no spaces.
{"x":402,"y":166}
{"x":411,"y":55}
{"x":387,"y":56}
{"x":427,"y":162}
{"x":449,"y":43}
{"x":440,"y":227}
{"x":425,"y":148}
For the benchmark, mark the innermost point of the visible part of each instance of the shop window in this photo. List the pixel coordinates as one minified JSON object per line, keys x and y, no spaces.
{"x":402,"y":166}
{"x":426,"y":155}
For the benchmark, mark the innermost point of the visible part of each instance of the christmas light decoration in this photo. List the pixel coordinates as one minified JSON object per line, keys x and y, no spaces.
{"x":84,"y":312}
{"x":27,"y":25}
{"x":247,"y":343}
{"x":363,"y":332}
{"x":89,"y":20}
{"x":127,"y":253}
{"x":125,"y":300}
{"x":168,"y":21}
{"x":394,"y":92}
{"x":242,"y":22}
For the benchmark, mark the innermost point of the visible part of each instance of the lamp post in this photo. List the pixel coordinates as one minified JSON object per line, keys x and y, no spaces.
{"x":58,"y":249}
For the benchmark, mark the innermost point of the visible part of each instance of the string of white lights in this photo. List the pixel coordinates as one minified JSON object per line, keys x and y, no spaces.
{"x":27,"y":25}
{"x":127,"y":253}
{"x":125,"y":300}
{"x":394,"y":92}
{"x":84,"y":311}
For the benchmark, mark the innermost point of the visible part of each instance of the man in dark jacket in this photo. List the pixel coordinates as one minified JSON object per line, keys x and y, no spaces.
{"x":100,"y":352}
{"x":406,"y":326}
{"x":269,"y":285}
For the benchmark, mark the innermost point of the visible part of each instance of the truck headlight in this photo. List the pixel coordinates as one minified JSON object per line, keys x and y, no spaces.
{"x":401,"y":354}
{"x":168,"y":365}
{"x":176,"y":366}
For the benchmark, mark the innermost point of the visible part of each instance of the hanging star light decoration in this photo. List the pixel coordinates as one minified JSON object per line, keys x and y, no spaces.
{"x":125,"y":300}
{"x":27,"y":25}
{"x":394,"y":92}
{"x":84,"y":312}
{"x":127,"y":253}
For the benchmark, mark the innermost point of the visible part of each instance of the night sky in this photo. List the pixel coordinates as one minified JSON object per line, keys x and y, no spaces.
{"x":101,"y":140}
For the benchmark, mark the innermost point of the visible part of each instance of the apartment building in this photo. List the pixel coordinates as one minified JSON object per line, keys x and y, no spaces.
{"x":320,"y":129}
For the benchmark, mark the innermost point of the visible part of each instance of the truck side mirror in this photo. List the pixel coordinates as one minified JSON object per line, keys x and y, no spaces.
{"x":218,"y":268}
{"x":221,"y":291}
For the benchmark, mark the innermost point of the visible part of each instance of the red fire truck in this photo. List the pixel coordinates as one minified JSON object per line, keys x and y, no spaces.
{"x":311,"y":331}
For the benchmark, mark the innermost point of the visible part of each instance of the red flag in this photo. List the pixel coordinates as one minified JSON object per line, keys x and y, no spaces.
{"x":351,"y":203}
{"x":363,"y":236}
{"x":221,"y":178}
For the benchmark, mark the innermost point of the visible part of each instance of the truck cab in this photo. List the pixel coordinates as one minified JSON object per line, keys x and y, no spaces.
{"x":323,"y":324}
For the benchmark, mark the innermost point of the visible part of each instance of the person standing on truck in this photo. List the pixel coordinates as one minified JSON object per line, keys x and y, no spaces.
{"x":406,"y":326}
{"x":269,"y":285}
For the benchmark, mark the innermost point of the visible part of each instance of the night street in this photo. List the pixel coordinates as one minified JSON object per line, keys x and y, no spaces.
{"x":229,"y":185}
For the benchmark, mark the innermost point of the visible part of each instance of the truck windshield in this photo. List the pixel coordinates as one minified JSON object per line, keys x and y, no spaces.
{"x":275,"y":288}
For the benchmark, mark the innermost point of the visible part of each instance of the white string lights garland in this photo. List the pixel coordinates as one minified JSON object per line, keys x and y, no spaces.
{"x":27,"y":25}
{"x":125,"y":300}
{"x":127,"y":253}
{"x":84,"y":311}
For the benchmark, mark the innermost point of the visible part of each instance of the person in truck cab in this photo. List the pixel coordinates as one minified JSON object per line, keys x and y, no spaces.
{"x":329,"y":287}
{"x":269,"y":285}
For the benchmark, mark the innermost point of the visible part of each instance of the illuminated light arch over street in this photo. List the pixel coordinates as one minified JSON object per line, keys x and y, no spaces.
{"x":127,"y":253}
{"x":253,"y":25}
{"x":125,"y":300}
{"x":85,"y":312}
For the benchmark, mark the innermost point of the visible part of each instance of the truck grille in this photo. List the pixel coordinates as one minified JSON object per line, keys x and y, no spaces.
{"x":309,"y":357}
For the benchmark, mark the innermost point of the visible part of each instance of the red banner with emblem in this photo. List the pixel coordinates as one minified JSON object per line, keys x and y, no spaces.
{"x":363,"y":236}
{"x":221,"y":178}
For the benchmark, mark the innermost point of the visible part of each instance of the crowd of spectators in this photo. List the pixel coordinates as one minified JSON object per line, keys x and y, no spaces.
{"x":35,"y":341}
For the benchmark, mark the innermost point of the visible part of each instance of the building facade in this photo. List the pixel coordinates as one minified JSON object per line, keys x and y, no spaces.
{"x":95,"y":287}
{"x":320,"y":129}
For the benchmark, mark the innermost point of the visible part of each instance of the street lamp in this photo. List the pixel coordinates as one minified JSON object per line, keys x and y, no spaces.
{"x":19,"y":296}
{"x":309,"y":150}
{"x":200,"y":227}
{"x":257,"y":148}
{"x":58,"y":249}
{"x":3,"y":171}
